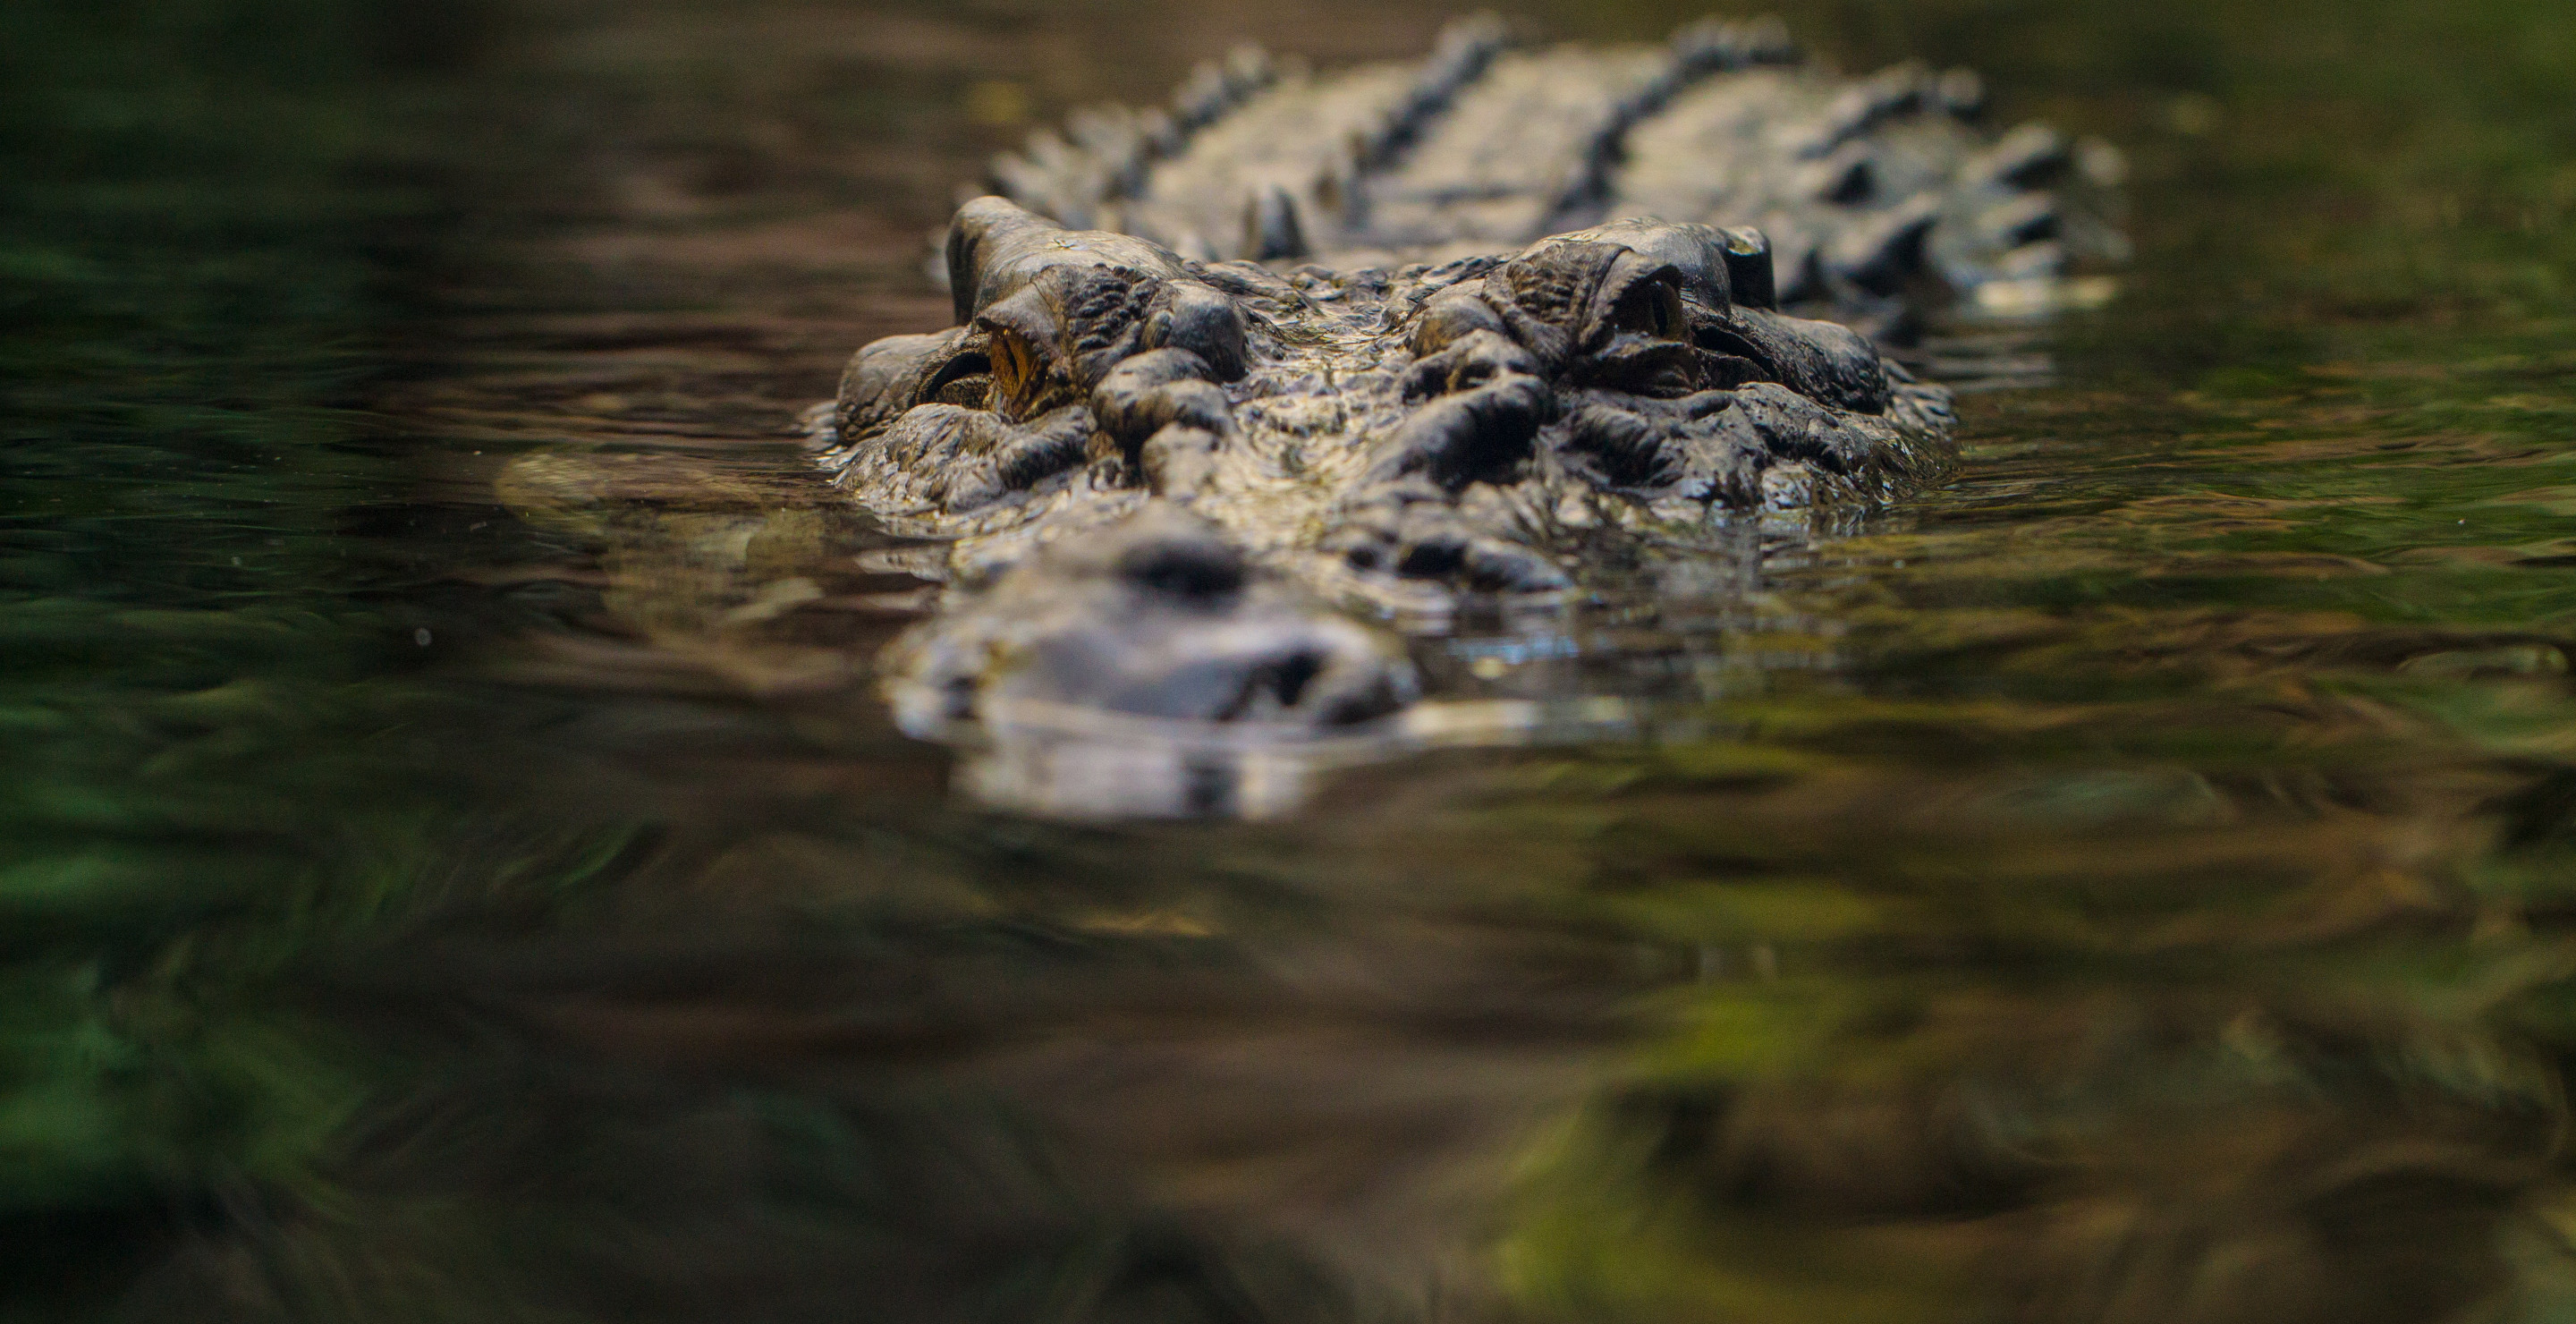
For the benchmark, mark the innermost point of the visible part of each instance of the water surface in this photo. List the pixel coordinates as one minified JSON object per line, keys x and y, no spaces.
{"x":2131,"y":882}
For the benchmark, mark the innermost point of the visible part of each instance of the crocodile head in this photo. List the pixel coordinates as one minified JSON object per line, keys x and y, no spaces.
{"x":1182,"y":489}
{"x":1489,"y":369}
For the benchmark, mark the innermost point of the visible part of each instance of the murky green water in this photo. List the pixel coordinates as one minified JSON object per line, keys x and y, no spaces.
{"x":2133,"y":883}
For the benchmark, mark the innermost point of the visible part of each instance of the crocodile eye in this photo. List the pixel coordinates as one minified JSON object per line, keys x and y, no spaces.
{"x":1018,"y":373}
{"x":1020,"y":337}
{"x":1652,"y":308}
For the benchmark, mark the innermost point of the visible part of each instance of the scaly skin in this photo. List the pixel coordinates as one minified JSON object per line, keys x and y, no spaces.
{"x":1872,"y":190}
{"x":1184,"y":478}
{"x":1163,"y":476}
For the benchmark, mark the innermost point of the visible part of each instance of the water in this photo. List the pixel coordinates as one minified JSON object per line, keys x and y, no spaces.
{"x":2129,"y":883}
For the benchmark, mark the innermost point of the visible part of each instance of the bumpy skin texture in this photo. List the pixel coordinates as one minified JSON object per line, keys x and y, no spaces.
{"x":1162,"y":475}
{"x":1178,"y":473}
{"x":1872,"y":190}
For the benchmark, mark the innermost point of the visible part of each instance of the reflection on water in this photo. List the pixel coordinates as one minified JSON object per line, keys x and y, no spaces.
{"x":1078,"y":763}
{"x":1059,"y":761}
{"x":457,"y":865}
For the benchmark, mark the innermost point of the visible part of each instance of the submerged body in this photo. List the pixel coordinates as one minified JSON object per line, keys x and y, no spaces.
{"x":1362,"y":344}
{"x":1871,"y":190}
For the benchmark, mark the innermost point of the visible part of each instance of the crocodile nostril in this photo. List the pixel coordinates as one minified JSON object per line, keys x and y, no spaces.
{"x":1289,"y":677}
{"x":1192,"y":569}
{"x":1270,"y":689}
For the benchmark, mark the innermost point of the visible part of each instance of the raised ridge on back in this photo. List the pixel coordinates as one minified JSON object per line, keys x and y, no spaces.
{"x":1878,"y":194}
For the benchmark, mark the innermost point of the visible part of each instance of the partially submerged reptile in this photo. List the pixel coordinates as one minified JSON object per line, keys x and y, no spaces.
{"x":1236,"y":382}
{"x":1243,"y":392}
{"x":1868,"y":189}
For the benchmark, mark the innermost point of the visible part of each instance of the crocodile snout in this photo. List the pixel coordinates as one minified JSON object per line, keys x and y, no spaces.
{"x":1156,"y":616}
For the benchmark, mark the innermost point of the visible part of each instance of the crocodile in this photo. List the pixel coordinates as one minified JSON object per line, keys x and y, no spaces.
{"x":1238,"y":388}
{"x":1870,"y":189}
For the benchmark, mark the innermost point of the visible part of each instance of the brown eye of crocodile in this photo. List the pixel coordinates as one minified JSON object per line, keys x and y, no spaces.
{"x":1018,"y":374}
{"x":966,"y":381}
{"x":1651,"y":308}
